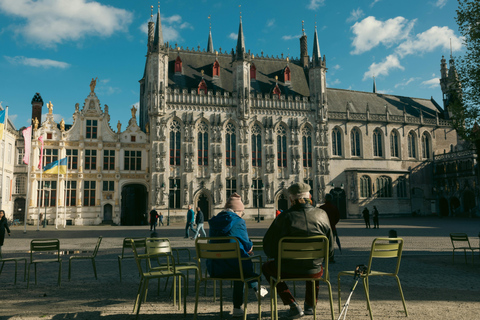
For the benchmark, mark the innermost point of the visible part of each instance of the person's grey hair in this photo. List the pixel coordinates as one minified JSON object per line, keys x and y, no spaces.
{"x":304,"y":195}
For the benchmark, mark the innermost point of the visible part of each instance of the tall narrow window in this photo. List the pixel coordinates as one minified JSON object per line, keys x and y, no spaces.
{"x":336,"y":142}
{"x":132,"y":160}
{"x":377,"y":143}
{"x":384,"y":187}
{"x":46,"y":193}
{"x":412,"y":145}
{"x":108,"y":185}
{"x":231,"y":187}
{"x":230,"y":146}
{"x":253,"y":72}
{"x":355,"y":142}
{"x":401,"y":187}
{"x":175,"y":143}
{"x":20,"y":185}
{"x":365,"y":187}
{"x":202,"y":144}
{"x":256,"y":146}
{"x":89,"y":193}
{"x":72,"y":159}
{"x":174,"y":194}
{"x":257,"y":189}
{"x":108,"y":159}
{"x":178,"y":65}
{"x":91,"y":132}
{"x":216,"y":69}
{"x":394,"y":152}
{"x":425,"y":146}
{"x":20,"y":155}
{"x":307,"y":147}
{"x":71,"y":193}
{"x":281,"y":147}
{"x":90,"y":159}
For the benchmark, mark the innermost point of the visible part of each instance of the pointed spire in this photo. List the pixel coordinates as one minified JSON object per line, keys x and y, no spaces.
{"x":158,"y":38}
{"x":240,"y":41}
{"x":374,"y":85}
{"x":316,"y":57}
{"x":210,"y":40}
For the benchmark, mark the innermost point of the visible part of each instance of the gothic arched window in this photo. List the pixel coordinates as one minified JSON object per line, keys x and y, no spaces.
{"x":377,"y":143}
{"x":384,"y":187}
{"x":281,"y":147}
{"x":412,"y":145}
{"x":178,"y":65}
{"x":425,"y":146}
{"x":307,"y":147}
{"x":175,"y":143}
{"x":394,"y":144}
{"x":230,"y":146}
{"x":202,"y":144}
{"x":336,"y":142}
{"x":365,"y":187}
{"x":355,"y":142}
{"x":253,"y":72}
{"x":216,"y":69}
{"x":256,"y":146}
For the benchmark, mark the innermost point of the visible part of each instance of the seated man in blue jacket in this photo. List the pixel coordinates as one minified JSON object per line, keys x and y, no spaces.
{"x":229,"y":223}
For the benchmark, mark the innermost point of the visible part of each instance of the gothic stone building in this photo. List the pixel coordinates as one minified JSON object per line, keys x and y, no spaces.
{"x":212,"y":123}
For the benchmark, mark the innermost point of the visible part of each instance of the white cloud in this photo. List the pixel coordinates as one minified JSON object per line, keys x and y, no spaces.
{"x":430,"y":40}
{"x":38,"y":63}
{"x":405,"y":82}
{"x":170,"y":27}
{"x":371,"y":32}
{"x":432,"y":83}
{"x":386,"y":91}
{"x":233,"y":36}
{"x":270,"y":23}
{"x":12,"y":117}
{"x":335,"y":82}
{"x":51,"y":22}
{"x":336,"y":67}
{"x":391,"y":62}
{"x":172,"y":19}
{"x":440,"y":3}
{"x":315,"y":4}
{"x":374,"y":2}
{"x":355,"y":15}
{"x":292,"y":37}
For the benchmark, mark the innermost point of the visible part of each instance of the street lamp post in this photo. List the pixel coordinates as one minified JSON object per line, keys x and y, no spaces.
{"x":168,"y":197}
{"x":47,"y":189}
{"x":258,"y":199}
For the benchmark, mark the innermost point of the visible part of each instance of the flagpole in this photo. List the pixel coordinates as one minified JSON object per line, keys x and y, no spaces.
{"x":4,"y":151}
{"x":28,"y":177}
{"x":56,"y":200}
{"x":65,"y":198}
{"x":40,"y":193}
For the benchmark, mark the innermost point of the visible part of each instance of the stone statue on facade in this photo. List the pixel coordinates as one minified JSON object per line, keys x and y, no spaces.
{"x":119,"y":126}
{"x":158,"y":196}
{"x":147,"y":127}
{"x":134,"y":112}
{"x":62,"y":125}
{"x":93,"y":84}
{"x":77,"y":107}
{"x":157,"y":157}
{"x":50,"y":107}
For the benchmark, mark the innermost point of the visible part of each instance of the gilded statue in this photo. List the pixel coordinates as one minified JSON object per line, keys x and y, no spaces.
{"x":147,"y":127}
{"x":50,"y":107}
{"x":93,"y":84}
{"x":119,"y":126}
{"x":134,"y":111}
{"x":35,"y":123}
{"x":62,"y":125}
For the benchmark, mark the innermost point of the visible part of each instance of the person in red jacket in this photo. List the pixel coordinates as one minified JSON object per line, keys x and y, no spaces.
{"x":333,"y":217}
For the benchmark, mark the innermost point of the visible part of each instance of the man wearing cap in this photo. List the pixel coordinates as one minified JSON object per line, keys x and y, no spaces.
{"x":229,"y":223}
{"x":302,"y":219}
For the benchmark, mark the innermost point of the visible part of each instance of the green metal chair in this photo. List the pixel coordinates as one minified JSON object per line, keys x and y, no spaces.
{"x":382,"y":248}
{"x":126,"y":254}
{"x":460,"y":242}
{"x":222,"y":248}
{"x":16,"y":260}
{"x":43,"y":246}
{"x":301,"y":248}
{"x":147,"y":275}
{"x":85,"y":257}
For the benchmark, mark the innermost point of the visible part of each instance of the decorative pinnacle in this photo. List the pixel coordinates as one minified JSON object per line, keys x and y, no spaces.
{"x":151,"y":12}
{"x":303,"y":28}
{"x":240,"y":9}
{"x":210,"y":21}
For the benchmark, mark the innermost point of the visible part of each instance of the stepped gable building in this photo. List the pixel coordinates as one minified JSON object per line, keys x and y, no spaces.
{"x":213,"y":122}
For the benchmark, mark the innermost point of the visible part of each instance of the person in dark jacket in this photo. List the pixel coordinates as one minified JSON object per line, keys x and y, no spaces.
{"x":301,"y":220}
{"x":3,"y":227}
{"x":153,"y":219}
{"x":333,"y":216}
{"x":190,"y":221}
{"x":229,"y":223}
{"x":375,"y":218}
{"x":199,"y":220}
{"x":366,"y":217}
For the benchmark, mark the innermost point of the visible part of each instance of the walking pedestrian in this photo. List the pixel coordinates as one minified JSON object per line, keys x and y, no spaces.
{"x":333,"y":217}
{"x":199,"y":219}
{"x":366,"y":217}
{"x":375,"y":218}
{"x":3,"y":227}
{"x":190,"y":222}
{"x":160,"y":218}
{"x":153,"y":219}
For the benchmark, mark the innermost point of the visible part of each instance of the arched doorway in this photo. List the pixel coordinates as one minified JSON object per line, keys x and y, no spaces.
{"x":108,"y":213}
{"x":468,"y":202}
{"x":444,"y":207}
{"x":19,"y":209}
{"x":134,"y":205}
{"x":282,"y":203}
{"x":340,"y":200}
{"x":204,"y":204}
{"x":454,"y":206}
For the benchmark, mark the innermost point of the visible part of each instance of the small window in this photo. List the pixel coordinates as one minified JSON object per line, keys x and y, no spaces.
{"x":91,"y":129}
{"x":287,"y":74}
{"x":202,"y":87}
{"x":253,"y":72}
{"x":108,"y":185}
{"x":277,"y":91}
{"x":133,"y":138}
{"x":49,"y":136}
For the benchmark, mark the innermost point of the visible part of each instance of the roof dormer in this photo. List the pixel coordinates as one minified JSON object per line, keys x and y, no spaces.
{"x":178,"y":65}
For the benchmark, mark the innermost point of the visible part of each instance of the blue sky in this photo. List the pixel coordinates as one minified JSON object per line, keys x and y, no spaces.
{"x":55,"y":47}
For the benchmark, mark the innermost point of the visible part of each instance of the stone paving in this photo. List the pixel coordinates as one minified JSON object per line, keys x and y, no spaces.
{"x":434,"y":287}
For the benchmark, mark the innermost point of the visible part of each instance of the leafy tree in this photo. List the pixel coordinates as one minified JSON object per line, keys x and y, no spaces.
{"x":465,"y":104}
